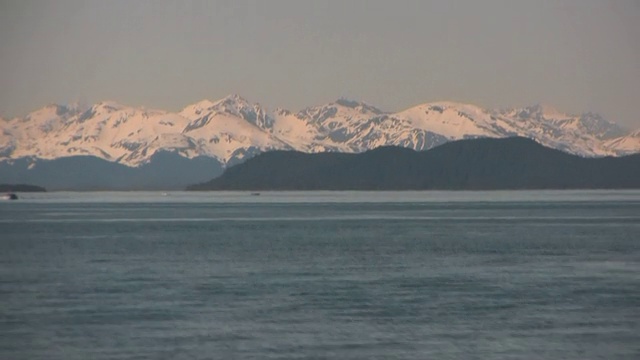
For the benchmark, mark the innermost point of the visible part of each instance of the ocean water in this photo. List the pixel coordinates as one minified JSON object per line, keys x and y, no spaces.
{"x":321,"y":275}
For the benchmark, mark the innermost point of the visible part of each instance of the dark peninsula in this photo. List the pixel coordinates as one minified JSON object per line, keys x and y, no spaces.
{"x":473,"y":164}
{"x":20,"y":188}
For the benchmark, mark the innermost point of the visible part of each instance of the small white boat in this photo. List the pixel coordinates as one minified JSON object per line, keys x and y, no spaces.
{"x":9,"y":196}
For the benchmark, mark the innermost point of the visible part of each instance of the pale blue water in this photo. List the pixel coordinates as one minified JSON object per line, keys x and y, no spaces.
{"x":409,"y":275}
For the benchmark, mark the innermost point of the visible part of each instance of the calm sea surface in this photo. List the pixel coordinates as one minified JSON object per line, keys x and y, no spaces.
{"x":315,"y":275}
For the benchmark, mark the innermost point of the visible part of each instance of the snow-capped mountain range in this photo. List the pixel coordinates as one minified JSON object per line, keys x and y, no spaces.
{"x":232,"y":129}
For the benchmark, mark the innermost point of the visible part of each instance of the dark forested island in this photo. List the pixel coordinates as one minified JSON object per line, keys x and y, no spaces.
{"x":473,"y":164}
{"x":20,"y":188}
{"x":165,"y":171}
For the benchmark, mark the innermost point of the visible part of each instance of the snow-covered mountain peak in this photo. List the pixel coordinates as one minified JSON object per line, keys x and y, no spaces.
{"x":536,"y":112}
{"x":57,"y":108}
{"x":450,"y":119}
{"x":588,"y":123}
{"x":548,"y":112}
{"x":234,"y":106}
{"x":202,"y":104}
{"x":108,"y":106}
{"x":235,"y":98}
{"x":339,"y":113}
{"x":195,"y":109}
{"x":48,"y":112}
{"x":600,"y":127}
{"x":625,"y":145}
{"x":102,"y":110}
{"x":448,"y":107}
{"x":232,"y":103}
{"x":361,"y":106}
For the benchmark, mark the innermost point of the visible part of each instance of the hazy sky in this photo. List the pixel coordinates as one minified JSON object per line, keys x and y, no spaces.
{"x":578,"y":56}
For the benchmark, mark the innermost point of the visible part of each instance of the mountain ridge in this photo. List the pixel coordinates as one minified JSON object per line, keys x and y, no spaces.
{"x":232,"y":129}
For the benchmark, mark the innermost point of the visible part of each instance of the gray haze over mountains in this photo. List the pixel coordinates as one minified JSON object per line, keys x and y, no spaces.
{"x":576,"y":55}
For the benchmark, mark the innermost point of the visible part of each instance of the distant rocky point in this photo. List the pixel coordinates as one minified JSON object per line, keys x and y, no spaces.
{"x":474,"y":164}
{"x":4,"y":188}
